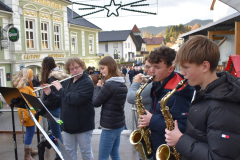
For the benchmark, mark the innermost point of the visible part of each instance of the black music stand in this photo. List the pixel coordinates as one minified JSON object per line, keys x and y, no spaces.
{"x":47,"y":141}
{"x":40,"y":109}
{"x":13,"y":98}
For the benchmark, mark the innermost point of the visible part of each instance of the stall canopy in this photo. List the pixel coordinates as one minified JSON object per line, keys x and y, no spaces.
{"x":232,"y":3}
{"x":233,"y":65}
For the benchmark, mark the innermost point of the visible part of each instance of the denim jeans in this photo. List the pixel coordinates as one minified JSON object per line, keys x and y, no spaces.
{"x":109,"y":144}
{"x":30,"y":131}
{"x":71,"y":142}
{"x":55,"y":127}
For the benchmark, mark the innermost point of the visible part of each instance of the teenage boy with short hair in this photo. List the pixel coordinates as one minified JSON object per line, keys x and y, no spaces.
{"x":165,"y":80}
{"x":213,"y":128}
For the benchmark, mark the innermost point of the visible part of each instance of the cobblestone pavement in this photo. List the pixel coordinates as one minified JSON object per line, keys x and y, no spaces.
{"x":6,"y":118}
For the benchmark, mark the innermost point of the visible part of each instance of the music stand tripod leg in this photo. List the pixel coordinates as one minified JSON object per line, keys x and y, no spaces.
{"x":14,"y":133}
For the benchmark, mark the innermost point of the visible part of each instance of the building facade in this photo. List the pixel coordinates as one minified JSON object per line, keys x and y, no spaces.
{"x":118,"y":42}
{"x":46,"y":28}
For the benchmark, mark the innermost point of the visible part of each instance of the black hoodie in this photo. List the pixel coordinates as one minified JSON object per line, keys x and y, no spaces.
{"x":213,"y":125}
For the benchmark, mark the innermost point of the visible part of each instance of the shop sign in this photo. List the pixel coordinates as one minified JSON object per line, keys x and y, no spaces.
{"x":13,"y":34}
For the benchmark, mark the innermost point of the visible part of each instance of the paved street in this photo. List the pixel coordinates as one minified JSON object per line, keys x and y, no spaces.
{"x":127,"y":151}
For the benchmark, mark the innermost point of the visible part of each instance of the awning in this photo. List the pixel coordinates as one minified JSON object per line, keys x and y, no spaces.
{"x":224,"y":24}
{"x":233,"y":65}
{"x":232,"y":3}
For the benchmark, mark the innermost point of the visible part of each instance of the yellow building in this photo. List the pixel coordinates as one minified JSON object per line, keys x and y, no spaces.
{"x":153,"y":42}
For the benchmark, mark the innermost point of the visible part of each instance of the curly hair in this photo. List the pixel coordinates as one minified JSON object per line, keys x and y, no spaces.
{"x":162,"y":54}
{"x":20,"y":80}
{"x":48,"y":64}
{"x":71,"y":61}
{"x":112,"y":67}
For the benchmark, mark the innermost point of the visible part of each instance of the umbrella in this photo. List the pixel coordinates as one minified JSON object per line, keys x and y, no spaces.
{"x":232,"y":3}
{"x":233,"y":65}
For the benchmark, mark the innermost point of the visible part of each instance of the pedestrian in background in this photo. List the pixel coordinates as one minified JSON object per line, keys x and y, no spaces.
{"x":111,"y":95}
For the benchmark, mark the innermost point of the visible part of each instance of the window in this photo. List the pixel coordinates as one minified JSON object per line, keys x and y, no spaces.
{"x":128,"y":45}
{"x":91,"y":43}
{"x":125,"y":45}
{"x":106,"y":47}
{"x":30,"y":30}
{"x":125,"y":56}
{"x":115,"y":45}
{"x":74,"y":42}
{"x":45,"y":35}
{"x":57,"y":37}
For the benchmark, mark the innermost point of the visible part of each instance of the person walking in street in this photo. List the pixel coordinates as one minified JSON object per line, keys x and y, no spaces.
{"x":131,"y":74}
{"x":77,"y":111}
{"x":23,"y":81}
{"x":111,"y":95}
{"x":50,"y":72}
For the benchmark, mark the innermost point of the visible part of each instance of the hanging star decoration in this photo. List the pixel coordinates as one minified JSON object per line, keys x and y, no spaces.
{"x":112,"y":8}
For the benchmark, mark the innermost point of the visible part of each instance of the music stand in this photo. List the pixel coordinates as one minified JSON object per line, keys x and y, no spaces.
{"x":57,"y":145}
{"x":41,"y":110}
{"x":13,"y":98}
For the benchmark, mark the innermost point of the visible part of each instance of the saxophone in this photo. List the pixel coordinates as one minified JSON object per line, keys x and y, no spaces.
{"x":163,"y":151}
{"x":140,"y":138}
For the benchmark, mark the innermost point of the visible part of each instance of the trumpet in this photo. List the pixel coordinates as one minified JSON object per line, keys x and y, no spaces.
{"x":59,"y":81}
{"x":147,"y":76}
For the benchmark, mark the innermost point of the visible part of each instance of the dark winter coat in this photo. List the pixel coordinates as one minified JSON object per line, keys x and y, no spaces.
{"x":112,"y":97}
{"x":35,"y":83}
{"x":54,"y":75}
{"x":213,"y":128}
{"x":178,"y":104}
{"x":131,"y":74}
{"x":124,"y":71}
{"x":77,"y":111}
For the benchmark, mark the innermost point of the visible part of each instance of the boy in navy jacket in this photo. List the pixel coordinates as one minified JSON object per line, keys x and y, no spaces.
{"x":165,"y":80}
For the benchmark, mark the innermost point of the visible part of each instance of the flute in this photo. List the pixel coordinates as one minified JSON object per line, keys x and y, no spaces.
{"x":59,"y":81}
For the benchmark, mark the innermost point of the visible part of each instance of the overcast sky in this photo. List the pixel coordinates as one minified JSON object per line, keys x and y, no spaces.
{"x":169,"y":12}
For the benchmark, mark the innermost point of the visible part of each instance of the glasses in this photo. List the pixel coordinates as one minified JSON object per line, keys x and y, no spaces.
{"x":72,"y":69}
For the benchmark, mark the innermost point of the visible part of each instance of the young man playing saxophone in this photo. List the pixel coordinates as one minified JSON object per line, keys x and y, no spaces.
{"x":165,"y":80}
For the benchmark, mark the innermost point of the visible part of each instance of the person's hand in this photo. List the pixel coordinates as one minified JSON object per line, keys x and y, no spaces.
{"x":57,"y":85}
{"x":100,"y":83}
{"x":138,"y":78}
{"x":144,"y":120}
{"x":47,"y":90}
{"x":22,"y":122}
{"x":173,"y":136}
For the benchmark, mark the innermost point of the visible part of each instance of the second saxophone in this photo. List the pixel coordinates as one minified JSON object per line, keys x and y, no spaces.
{"x":163,"y":151}
{"x":140,"y":138}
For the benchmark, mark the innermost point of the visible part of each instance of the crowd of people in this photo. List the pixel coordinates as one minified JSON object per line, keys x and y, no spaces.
{"x":206,"y":111}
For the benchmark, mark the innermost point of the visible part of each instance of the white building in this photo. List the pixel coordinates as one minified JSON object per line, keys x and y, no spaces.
{"x":118,"y":42}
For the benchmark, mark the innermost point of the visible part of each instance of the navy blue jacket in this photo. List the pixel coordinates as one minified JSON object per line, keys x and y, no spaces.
{"x":178,"y":104}
{"x":124,"y":71}
{"x":131,"y":74}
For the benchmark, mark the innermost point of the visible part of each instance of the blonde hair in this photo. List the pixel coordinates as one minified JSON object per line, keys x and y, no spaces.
{"x":20,"y":79}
